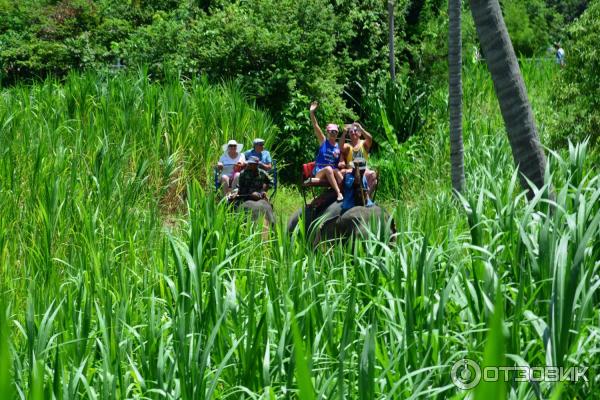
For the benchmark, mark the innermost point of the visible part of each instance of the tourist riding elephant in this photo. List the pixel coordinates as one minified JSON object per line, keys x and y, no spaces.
{"x":329,"y":222}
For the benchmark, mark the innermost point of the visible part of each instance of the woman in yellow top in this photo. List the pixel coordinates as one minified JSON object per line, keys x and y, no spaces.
{"x":358,"y":148}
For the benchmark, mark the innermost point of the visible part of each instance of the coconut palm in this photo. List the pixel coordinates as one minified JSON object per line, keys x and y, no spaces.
{"x":510,"y":90}
{"x":455,"y":94}
{"x":391,"y":39}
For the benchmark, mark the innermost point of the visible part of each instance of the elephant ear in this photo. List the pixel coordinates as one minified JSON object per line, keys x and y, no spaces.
{"x":258,"y":208}
{"x":324,"y":224}
{"x":332,"y":212}
{"x":314,"y":220}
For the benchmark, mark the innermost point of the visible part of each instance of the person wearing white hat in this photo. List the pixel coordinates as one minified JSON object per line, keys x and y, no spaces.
{"x":231,"y":164}
{"x":264,"y":157}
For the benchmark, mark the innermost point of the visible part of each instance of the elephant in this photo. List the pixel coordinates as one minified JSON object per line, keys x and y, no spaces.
{"x":258,"y":208}
{"x":328,"y":222}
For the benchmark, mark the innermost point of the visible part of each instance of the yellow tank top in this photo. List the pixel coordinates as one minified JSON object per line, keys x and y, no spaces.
{"x":358,"y":152}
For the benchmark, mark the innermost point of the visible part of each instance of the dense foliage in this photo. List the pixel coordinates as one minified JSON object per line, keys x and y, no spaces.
{"x":569,"y":9}
{"x":282,"y":53}
{"x":532,"y":25}
{"x":577,"y":93}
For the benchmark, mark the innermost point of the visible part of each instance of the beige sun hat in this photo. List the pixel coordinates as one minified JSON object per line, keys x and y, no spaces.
{"x":232,"y":142}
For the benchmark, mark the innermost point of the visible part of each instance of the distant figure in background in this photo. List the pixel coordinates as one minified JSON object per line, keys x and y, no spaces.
{"x":230,"y":165}
{"x":258,"y":151}
{"x":560,"y":55}
{"x":476,"y":55}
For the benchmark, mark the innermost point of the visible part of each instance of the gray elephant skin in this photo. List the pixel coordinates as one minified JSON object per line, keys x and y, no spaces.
{"x":258,"y":208}
{"x":331,"y":223}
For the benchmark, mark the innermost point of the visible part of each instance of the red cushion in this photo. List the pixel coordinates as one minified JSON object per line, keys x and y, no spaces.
{"x":307,"y":170}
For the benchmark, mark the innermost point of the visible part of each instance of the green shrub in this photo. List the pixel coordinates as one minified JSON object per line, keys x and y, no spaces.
{"x":577,"y":92}
{"x":531,"y":25}
{"x":283,"y":53}
{"x":569,"y":9}
{"x":394,"y":111}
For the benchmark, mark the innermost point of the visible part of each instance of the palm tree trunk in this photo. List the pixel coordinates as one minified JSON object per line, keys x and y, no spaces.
{"x":411,"y":31}
{"x":391,"y":39}
{"x":455,"y":94}
{"x":510,"y":90}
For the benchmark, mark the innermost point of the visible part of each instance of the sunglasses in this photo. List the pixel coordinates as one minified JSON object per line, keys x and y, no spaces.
{"x":332,"y":132}
{"x":232,"y":146}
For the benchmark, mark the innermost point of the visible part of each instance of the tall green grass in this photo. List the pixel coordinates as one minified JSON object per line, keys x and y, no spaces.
{"x":105,"y":298}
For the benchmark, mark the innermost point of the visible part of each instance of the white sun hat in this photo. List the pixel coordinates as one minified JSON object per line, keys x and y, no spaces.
{"x":232,"y":142}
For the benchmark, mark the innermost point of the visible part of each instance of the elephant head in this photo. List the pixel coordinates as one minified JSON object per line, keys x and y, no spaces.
{"x":331,"y":223}
{"x":258,"y":208}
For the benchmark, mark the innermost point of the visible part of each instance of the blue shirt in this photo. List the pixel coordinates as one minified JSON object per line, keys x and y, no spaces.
{"x":349,"y":192}
{"x":329,"y":154}
{"x":560,"y":56}
{"x":263,"y":157}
